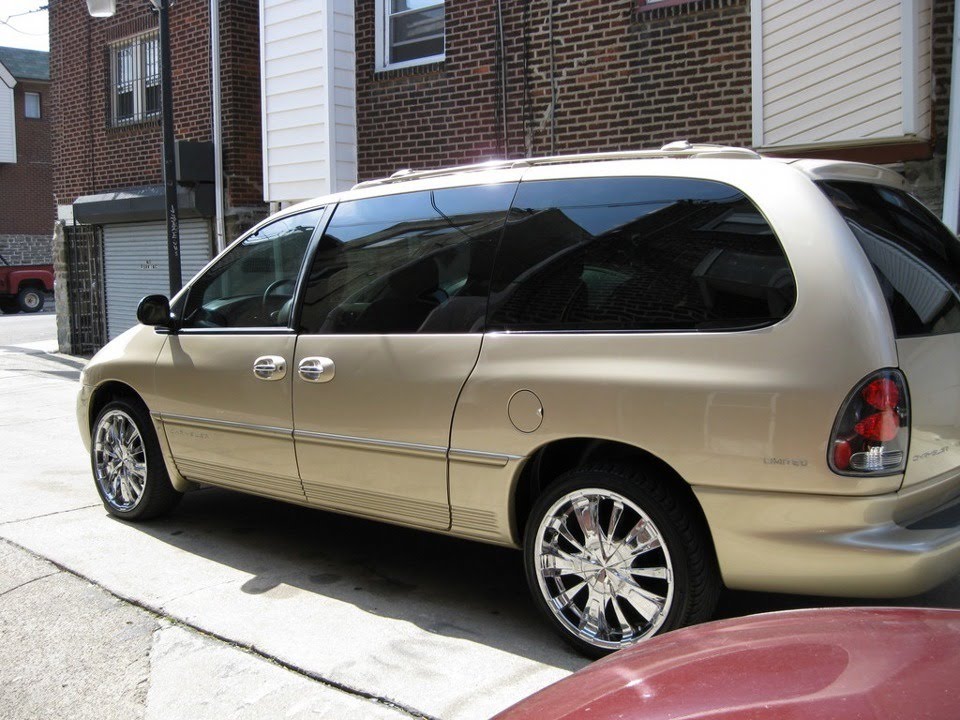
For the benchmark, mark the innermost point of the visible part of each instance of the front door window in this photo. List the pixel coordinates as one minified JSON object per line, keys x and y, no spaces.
{"x":253,"y":284}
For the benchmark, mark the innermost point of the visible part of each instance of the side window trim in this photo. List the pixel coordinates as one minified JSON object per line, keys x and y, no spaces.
{"x":308,"y":257}
{"x":233,"y":331}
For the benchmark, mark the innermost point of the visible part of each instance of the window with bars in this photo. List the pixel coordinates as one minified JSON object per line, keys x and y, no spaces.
{"x":134,"y":80}
{"x":409,"y":32}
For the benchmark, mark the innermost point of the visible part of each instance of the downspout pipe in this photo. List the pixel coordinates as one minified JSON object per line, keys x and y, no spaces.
{"x":951,"y":184}
{"x":221,"y":236}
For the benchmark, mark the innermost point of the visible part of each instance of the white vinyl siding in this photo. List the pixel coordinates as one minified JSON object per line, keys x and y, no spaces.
{"x":850,"y":72}
{"x":8,"y":120}
{"x":135,"y":265}
{"x":308,"y":72}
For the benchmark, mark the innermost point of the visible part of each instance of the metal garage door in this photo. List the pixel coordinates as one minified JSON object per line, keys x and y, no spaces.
{"x":135,"y":264}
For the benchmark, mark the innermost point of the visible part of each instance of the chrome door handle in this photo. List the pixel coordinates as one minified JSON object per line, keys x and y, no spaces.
{"x":270,"y":367}
{"x":316,"y":369}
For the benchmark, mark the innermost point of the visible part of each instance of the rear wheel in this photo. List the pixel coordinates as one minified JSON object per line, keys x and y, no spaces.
{"x":30,"y":299}
{"x":613,"y":558}
{"x":127,"y":463}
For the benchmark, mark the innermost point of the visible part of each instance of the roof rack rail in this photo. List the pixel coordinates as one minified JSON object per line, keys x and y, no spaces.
{"x":680,"y":149}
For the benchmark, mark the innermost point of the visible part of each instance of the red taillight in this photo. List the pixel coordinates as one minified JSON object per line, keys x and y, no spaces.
{"x":841,"y":454}
{"x":872,"y":431}
{"x":882,"y":394}
{"x":880,"y":427}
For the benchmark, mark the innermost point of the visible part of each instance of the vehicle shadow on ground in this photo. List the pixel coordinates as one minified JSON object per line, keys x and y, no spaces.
{"x":738,"y":603}
{"x":443,"y":585}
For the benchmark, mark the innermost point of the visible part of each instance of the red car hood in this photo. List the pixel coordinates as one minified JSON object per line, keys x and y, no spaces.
{"x":849,"y":663}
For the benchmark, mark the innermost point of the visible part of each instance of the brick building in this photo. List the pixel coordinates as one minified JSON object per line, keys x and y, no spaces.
{"x":27,"y":209}
{"x":435,"y":83}
{"x":348,"y":91}
{"x":107,"y":149}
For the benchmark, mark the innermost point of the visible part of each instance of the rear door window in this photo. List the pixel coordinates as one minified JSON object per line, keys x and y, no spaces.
{"x":412,"y":263}
{"x":916,"y":259}
{"x":637,"y":254}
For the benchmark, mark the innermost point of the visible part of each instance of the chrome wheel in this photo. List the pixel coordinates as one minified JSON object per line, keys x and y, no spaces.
{"x":120,"y":460}
{"x":603,"y":567}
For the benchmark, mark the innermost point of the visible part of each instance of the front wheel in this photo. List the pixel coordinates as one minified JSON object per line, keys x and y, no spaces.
{"x":127,"y":463}
{"x":30,"y":299}
{"x":613,"y":557}
{"x":9,"y":306}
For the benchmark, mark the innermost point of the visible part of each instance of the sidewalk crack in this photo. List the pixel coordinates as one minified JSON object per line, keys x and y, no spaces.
{"x":37,"y":517}
{"x":24,"y":584}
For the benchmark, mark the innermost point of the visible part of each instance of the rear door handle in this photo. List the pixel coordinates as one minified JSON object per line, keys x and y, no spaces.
{"x":270,"y":367}
{"x":316,"y":369}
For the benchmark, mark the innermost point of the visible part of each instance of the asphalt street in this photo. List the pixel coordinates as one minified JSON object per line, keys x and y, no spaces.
{"x":241,"y":607}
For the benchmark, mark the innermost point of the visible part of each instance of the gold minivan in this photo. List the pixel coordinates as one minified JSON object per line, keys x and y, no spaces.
{"x":656,"y":372}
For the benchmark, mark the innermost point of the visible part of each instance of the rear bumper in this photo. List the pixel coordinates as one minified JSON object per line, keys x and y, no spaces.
{"x":892,"y":545}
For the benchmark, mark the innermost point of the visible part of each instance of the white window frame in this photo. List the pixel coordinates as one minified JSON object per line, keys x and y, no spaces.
{"x":383,"y":39}
{"x":138,"y":85}
{"x":26,"y":106}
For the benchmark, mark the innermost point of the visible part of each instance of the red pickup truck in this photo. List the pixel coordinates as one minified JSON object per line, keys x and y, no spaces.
{"x":22,"y":287}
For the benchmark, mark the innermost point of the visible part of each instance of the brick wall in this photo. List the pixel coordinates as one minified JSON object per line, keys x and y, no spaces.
{"x":90,"y":156}
{"x":240,"y":96}
{"x":942,"y":57}
{"x":26,"y":194}
{"x":623,"y":79}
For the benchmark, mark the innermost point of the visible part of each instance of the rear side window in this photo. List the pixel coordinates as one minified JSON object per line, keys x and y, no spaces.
{"x":637,"y":254}
{"x":916,"y":259}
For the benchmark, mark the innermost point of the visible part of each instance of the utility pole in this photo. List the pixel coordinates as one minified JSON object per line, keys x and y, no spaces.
{"x":169,"y":160}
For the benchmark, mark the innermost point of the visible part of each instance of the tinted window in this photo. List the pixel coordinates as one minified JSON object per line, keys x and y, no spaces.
{"x":418,"y":262}
{"x":253,"y":284}
{"x":637,"y":254}
{"x":916,"y":259}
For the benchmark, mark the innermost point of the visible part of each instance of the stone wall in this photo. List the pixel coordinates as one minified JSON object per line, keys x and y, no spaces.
{"x":26,"y":249}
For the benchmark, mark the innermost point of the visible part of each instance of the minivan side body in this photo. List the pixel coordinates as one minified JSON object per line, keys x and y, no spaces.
{"x":702,"y":320}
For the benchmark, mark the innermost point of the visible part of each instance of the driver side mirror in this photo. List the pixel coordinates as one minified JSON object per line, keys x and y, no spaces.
{"x":154,"y":310}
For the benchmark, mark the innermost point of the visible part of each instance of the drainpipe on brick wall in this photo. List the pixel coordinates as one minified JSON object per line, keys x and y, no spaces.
{"x":221,"y":239}
{"x":951,"y":185}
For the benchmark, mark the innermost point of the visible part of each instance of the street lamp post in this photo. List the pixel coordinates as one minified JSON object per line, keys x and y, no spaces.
{"x":107,"y":8}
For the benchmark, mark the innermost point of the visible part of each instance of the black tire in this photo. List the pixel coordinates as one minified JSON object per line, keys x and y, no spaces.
{"x":30,"y":299}
{"x":157,"y":496}
{"x":9,"y":306}
{"x":689,"y":582}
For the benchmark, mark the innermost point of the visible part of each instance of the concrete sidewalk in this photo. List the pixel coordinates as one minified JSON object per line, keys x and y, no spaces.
{"x":72,"y":650}
{"x":236,"y":606}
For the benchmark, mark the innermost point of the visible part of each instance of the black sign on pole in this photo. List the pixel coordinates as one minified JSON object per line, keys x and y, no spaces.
{"x":169,"y":160}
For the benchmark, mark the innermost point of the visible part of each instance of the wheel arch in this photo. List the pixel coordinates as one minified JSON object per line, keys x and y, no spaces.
{"x":105,"y":393}
{"x":552,"y":460}
{"x":110,"y":390}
